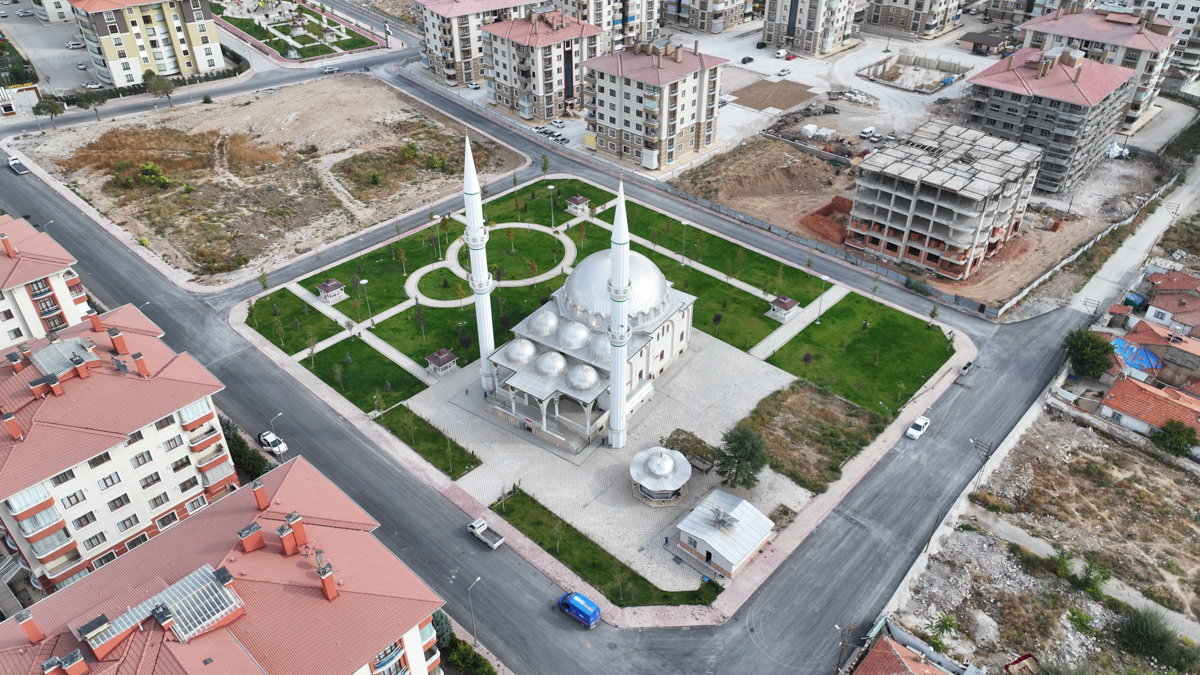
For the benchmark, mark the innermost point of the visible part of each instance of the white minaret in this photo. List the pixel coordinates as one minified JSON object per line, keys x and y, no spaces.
{"x":476,"y":238}
{"x":618,"y":327}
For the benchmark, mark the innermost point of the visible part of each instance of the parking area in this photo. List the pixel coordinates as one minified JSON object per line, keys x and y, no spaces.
{"x":45,"y":46}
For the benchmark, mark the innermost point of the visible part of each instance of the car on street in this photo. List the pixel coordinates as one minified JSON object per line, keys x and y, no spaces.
{"x":3,"y":15}
{"x":540,"y":128}
{"x":80,"y":65}
{"x":877,"y":138}
{"x":579,"y":607}
{"x":73,"y":45}
{"x":723,"y":103}
{"x":789,"y":57}
{"x":557,"y":124}
{"x":760,"y":45}
{"x":472,"y":85}
{"x":783,"y":72}
{"x":966,"y":368}
{"x":329,"y":70}
{"x":867,"y":133}
{"x":24,"y":12}
{"x":92,"y":85}
{"x":272,"y":443}
{"x":918,"y":427}
{"x":747,"y":59}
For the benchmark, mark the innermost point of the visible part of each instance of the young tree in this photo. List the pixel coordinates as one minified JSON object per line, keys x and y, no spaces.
{"x":251,"y":312}
{"x":557,"y":527}
{"x":545,"y":164}
{"x":740,"y":260}
{"x":264,"y":280}
{"x":533,"y":268}
{"x":464,"y":341}
{"x":1175,"y":437}
{"x":311,"y":343}
{"x":874,"y":288}
{"x":378,"y":402}
{"x":356,"y":307}
{"x":808,"y":359}
{"x":514,"y":180}
{"x":717,"y":323}
{"x":459,"y":294}
{"x":48,"y":107}
{"x":296,"y":322}
{"x":933,"y":314}
{"x":512,"y":238}
{"x":1090,"y":353}
{"x":742,"y":455}
{"x":408,"y":422}
{"x":403,"y":255}
{"x":337,"y":375}
{"x":277,"y":328}
{"x":159,"y":87}
{"x":90,"y":99}
{"x":348,"y":361}
{"x":420,"y":317}
{"x":483,"y":192}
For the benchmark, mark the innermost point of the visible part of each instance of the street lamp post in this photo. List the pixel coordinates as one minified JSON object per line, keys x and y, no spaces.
{"x":363,"y":283}
{"x":273,"y":422}
{"x":820,"y":298}
{"x":474,"y":635}
{"x":551,"y":188}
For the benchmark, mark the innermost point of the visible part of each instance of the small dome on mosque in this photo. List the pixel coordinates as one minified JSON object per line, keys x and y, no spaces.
{"x":520,"y":351}
{"x":574,"y":335}
{"x":583,"y":378}
{"x":600,"y":349}
{"x":544,"y":323}
{"x":551,"y":364}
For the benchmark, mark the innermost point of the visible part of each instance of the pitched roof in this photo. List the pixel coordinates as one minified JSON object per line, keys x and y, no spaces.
{"x":1184,"y":308}
{"x":983,"y":39}
{"x":95,"y":413}
{"x":1151,"y":405}
{"x":1150,"y":333}
{"x":453,"y":8}
{"x":38,"y":255}
{"x":1174,"y":280}
{"x":288,"y":625}
{"x":1134,"y":355}
{"x":546,"y":28}
{"x":888,"y":657}
{"x":733,"y":541}
{"x":645,"y":67}
{"x":1019,"y":73}
{"x":1109,"y":27}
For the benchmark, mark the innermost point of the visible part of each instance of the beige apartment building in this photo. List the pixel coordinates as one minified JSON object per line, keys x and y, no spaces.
{"x":39,"y":292}
{"x":653,"y":105}
{"x":624,"y":22}
{"x":453,"y":36}
{"x":914,"y":18}
{"x":815,"y":27}
{"x":125,"y":39}
{"x":534,"y":66}
{"x":707,"y":16}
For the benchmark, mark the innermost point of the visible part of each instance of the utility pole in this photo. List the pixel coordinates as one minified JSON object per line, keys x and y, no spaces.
{"x":845,"y":633}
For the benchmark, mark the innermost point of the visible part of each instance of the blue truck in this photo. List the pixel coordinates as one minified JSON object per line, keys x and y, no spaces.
{"x":580,"y":608}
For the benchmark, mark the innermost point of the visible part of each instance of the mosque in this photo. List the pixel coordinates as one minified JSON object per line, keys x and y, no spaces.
{"x":583,"y":363}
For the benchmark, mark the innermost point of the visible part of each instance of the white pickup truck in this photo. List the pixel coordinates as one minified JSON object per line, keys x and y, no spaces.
{"x":17,"y":167}
{"x":482,"y":532}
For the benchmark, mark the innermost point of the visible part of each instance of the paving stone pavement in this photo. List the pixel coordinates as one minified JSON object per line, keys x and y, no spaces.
{"x":707,"y":395}
{"x":780,"y":336}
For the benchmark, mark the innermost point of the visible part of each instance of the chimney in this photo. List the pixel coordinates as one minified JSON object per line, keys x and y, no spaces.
{"x":53,"y":666}
{"x":118,"y":340}
{"x":288,"y":538}
{"x":14,"y":359}
{"x":658,"y":60}
{"x":80,"y":366}
{"x":55,"y":385}
{"x":163,"y":615}
{"x":678,"y":55}
{"x":260,"y":495}
{"x":25,"y":351}
{"x":10,"y":421}
{"x":40,"y":387}
{"x":328,"y":584}
{"x":696,"y":48}
{"x":73,"y":663}
{"x":8,"y":247}
{"x":252,"y":538}
{"x":223,"y":575}
{"x":297,"y":522}
{"x":25,"y":620}
{"x":96,"y":325}
{"x":140,"y":362}
{"x":1078,"y":72}
{"x":1009,"y":65}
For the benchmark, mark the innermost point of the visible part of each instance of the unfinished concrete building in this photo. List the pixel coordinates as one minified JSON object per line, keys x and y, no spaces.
{"x":942,"y":198}
{"x":1057,"y":100}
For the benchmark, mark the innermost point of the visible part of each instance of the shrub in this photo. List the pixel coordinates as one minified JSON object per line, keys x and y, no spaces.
{"x":445,"y":632}
{"x":1061,"y":668}
{"x":467,"y":661}
{"x":208,"y":99}
{"x":919,"y":285}
{"x":1147,"y":633}
{"x":1175,"y":438}
{"x":246,"y":458}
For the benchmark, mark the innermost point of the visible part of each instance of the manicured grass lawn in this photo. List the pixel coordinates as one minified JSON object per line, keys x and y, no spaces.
{"x":589,"y":238}
{"x":514,"y":256}
{"x":303,"y":39}
{"x":441,"y":325}
{"x":217,"y":8}
{"x":720,"y":254}
{"x":291,"y":308}
{"x":438,"y":449}
{"x":503,"y":209}
{"x":590,"y":561}
{"x":743,"y":320}
{"x":368,"y":372}
{"x":248,"y":27}
{"x":355,"y":41}
{"x":908,"y":353}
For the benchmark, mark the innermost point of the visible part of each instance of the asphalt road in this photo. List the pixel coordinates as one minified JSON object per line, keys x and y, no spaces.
{"x":842,"y":574}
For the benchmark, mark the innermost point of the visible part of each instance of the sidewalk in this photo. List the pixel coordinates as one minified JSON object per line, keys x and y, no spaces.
{"x":780,"y":336}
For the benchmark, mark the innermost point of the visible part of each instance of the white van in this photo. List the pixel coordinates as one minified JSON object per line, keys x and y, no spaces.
{"x":780,"y":53}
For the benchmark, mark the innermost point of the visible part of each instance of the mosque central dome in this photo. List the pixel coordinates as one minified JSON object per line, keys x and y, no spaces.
{"x":585,"y":298}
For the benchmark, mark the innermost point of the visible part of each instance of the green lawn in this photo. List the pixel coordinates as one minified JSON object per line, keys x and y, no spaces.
{"x":217,"y":8}
{"x":720,"y":254}
{"x":315,"y":50}
{"x":908,"y":353}
{"x":248,"y":27}
{"x":743,"y":316}
{"x":355,"y":41}
{"x":368,"y":372}
{"x":291,"y":309}
{"x":589,"y":238}
{"x":442,"y":325}
{"x":503,"y":209}
{"x":621,"y":585}
{"x":437,"y":448}
{"x":514,"y":256}
{"x":303,"y":39}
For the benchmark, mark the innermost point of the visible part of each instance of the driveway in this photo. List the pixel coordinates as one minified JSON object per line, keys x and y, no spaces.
{"x":43,"y":44}
{"x":1169,"y":121}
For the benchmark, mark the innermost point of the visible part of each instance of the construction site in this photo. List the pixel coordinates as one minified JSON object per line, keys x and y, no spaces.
{"x":913,"y":72}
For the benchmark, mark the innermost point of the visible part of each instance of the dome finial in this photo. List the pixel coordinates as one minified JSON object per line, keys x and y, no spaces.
{"x":470,"y":179}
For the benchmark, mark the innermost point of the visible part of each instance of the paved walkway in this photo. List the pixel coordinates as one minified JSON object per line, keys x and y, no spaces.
{"x":1114,"y":588}
{"x":780,"y":336}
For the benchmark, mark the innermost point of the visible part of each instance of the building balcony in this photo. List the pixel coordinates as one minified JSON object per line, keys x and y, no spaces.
{"x":212,"y":459}
{"x":76,"y":290}
{"x":382,"y":665}
{"x":204,"y":440}
{"x":49,"y":311}
{"x":40,"y":291}
{"x":54,"y":547}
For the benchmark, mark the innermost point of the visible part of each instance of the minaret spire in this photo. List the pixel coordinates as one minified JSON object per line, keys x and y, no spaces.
{"x":476,"y":238}
{"x":618,"y":329}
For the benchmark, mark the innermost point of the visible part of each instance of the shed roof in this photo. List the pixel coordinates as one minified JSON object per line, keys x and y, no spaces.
{"x":734,"y":541}
{"x":983,"y":39}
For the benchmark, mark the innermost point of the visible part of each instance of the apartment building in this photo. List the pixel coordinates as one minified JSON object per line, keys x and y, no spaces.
{"x":624,"y":22}
{"x":109,"y":438}
{"x":453,"y":41}
{"x":1040,"y":7}
{"x":53,"y":11}
{"x":534,"y":66}
{"x":1057,"y":100}
{"x":1186,"y":51}
{"x":816,"y":27}
{"x":1140,"y":40}
{"x":282,"y":577}
{"x":942,"y":197}
{"x":653,"y":105}
{"x":126,"y":39}
{"x":707,"y":16}
{"x":39,"y":292}
{"x":1009,"y":11}
{"x":915,"y":18}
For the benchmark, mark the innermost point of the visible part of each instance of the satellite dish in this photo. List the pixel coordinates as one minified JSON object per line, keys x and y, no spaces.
{"x":120,"y":365}
{"x":723,"y":519}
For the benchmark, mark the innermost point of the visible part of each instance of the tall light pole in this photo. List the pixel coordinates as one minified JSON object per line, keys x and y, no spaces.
{"x":273,"y":422}
{"x":551,"y":188}
{"x":474,"y":635}
{"x":842,"y":645}
{"x":363,"y":283}
{"x":821,"y":297}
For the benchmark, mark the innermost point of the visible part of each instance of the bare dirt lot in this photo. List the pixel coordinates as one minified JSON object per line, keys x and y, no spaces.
{"x":770,"y":180}
{"x":781,"y":95}
{"x":250,"y":181}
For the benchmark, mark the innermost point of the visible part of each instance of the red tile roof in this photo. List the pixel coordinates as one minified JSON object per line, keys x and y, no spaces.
{"x":543,"y":31}
{"x":1184,"y":308}
{"x":1150,"y":333}
{"x":1151,"y":405}
{"x":1119,"y":309}
{"x":888,"y":657}
{"x":1018,"y":73}
{"x":288,"y":626}
{"x":95,"y":413}
{"x":38,"y":255}
{"x":1174,"y":280}
{"x":453,"y":8}
{"x":1113,"y":28}
{"x":645,"y":67}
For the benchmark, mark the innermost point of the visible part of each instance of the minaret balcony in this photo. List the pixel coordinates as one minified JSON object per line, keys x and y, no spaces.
{"x":620,"y":294}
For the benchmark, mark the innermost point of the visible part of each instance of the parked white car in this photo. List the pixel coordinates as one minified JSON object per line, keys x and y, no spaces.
{"x":329,"y":70}
{"x":74,"y":45}
{"x":557,"y":124}
{"x":784,"y":72}
{"x":919,"y":426}
{"x":472,"y":85}
{"x":272,"y":443}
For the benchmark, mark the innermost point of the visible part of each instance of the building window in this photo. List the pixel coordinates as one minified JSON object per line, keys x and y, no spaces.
{"x":1116,"y":416}
{"x":172,"y":443}
{"x":181,"y":464}
{"x":118,"y":502}
{"x":167,"y":521}
{"x":94,"y":541}
{"x":140,"y":459}
{"x":692,"y":542}
{"x":6,"y":315}
{"x":127,"y":523}
{"x":150,"y":480}
{"x":62,"y":478}
{"x":14,"y":334}
{"x":73,"y":499}
{"x":189,"y":484}
{"x":109,"y":481}
{"x":104,"y":560}
{"x":195,"y":411}
{"x":98,"y":460}
{"x":133,"y":438}
{"x":84,"y":520}
{"x":158,"y":501}
{"x":1159,"y":314}
{"x":136,"y":541}
{"x":164,"y":422}
{"x":196,"y":504}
